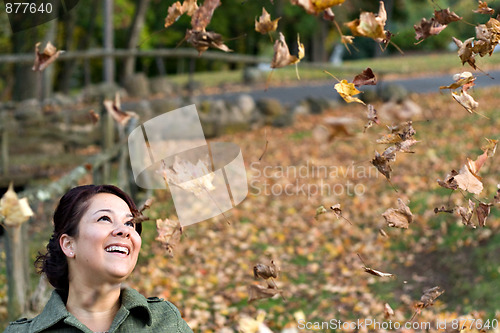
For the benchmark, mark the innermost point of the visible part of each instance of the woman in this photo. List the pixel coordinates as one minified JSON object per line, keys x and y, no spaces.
{"x":93,"y":249}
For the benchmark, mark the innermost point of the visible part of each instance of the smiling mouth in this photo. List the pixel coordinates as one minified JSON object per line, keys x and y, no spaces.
{"x":117,"y":249}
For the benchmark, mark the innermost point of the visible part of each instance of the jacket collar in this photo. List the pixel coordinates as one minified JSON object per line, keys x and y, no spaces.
{"x":55,"y":310}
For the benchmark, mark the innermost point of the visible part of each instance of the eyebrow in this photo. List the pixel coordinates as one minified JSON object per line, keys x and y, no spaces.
{"x":110,"y":211}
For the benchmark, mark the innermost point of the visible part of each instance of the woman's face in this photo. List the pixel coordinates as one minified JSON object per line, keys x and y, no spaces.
{"x":107,"y":246}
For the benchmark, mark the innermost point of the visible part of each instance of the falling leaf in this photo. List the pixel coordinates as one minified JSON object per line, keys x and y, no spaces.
{"x":190,"y":177}
{"x":466,"y":213}
{"x":496,"y":198}
{"x":484,"y":9}
{"x":463,"y":79}
{"x":202,"y":40}
{"x":465,"y":51}
{"x":365,"y":78}
{"x":382,"y":165}
{"x":14,"y":211}
{"x":256,"y":292}
{"x":329,"y":15}
{"x":169,"y":234}
{"x":347,"y":91}
{"x":373,"y":271}
{"x":114,"y":109}
{"x":282,"y":56}
{"x":265,"y":25}
{"x":371,"y":116}
{"x":490,"y":148}
{"x":404,"y":146}
{"x":466,"y":100}
{"x":390,"y":153}
{"x":320,"y":211}
{"x":467,"y":181}
{"x":388,"y":311}
{"x":203,"y":15}
{"x":44,"y":59}
{"x":445,"y":16}
{"x":265,"y":271}
{"x":247,"y":324}
{"x":483,"y":211}
{"x":370,"y":25}
{"x":174,"y":12}
{"x":400,"y":217}
{"x":390,"y":138}
{"x":383,"y":233}
{"x":316,"y":6}
{"x":449,"y":181}
{"x":443,"y":210}
{"x":426,"y":28}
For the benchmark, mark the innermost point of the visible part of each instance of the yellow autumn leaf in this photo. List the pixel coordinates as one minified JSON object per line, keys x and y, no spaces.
{"x":347,"y":91}
{"x":264,"y":25}
{"x":14,"y":211}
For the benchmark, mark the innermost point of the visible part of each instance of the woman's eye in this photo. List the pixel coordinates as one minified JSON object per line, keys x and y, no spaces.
{"x":104,"y":218}
{"x":130,"y":224}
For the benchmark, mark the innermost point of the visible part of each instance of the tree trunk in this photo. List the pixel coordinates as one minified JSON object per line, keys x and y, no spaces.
{"x":109,"y":61}
{"x":318,"y":43}
{"x":69,"y":66}
{"x":48,"y":73}
{"x":133,"y":36}
{"x":26,"y":82}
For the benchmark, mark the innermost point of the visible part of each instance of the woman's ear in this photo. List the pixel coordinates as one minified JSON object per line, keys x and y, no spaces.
{"x":67,"y":245}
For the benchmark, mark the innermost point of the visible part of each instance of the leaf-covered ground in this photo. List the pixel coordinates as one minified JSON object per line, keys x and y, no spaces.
{"x":321,"y":276}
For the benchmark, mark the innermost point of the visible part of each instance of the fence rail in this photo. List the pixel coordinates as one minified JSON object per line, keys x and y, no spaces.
{"x":124,"y":53}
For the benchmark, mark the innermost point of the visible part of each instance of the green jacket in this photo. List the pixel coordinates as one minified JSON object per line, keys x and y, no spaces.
{"x":136,"y":314}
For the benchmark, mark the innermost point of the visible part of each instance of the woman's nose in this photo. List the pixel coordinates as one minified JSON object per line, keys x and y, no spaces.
{"x":121,"y":231}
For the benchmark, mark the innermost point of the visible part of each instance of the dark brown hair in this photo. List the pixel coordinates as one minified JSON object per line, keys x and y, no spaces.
{"x":67,"y":216}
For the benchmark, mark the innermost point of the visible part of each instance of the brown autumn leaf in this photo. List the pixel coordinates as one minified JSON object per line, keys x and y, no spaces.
{"x":316,"y":6}
{"x":174,"y":12}
{"x":429,"y":296}
{"x":445,"y":16}
{"x":338,"y":212}
{"x":169,"y":234}
{"x":465,"y":79}
{"x":483,"y":211}
{"x":449,"y":182}
{"x":370,"y":25}
{"x":14,"y":211}
{"x":390,"y":138}
{"x":265,"y":271}
{"x":426,"y":28}
{"x":195,"y":178}
{"x":490,"y":148}
{"x":282,"y":56}
{"x":468,"y":181}
{"x":320,"y":211}
{"x":390,"y":153}
{"x":404,"y":146}
{"x":203,"y":15}
{"x":371,"y":116}
{"x":44,"y":59}
{"x":466,"y":213}
{"x":365,"y":78}
{"x":382,"y":165}
{"x":466,"y":100}
{"x":496,"y":198}
{"x":264,"y":25}
{"x":483,"y":8}
{"x":443,"y":209}
{"x":383,"y":233}
{"x":256,"y":292}
{"x":388,"y":311}
{"x":494,"y":26}
{"x":465,"y":51}
{"x":114,"y":109}
{"x":373,"y":271}
{"x":202,"y":40}
{"x":329,"y":15}
{"x":400,"y":217}
{"x":347,"y":91}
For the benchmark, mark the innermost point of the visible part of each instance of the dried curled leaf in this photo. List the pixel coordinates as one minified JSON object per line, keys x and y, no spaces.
{"x":365,"y":78}
{"x":400,"y":217}
{"x":445,"y":16}
{"x":426,"y":28}
{"x":174,"y":12}
{"x":347,"y":91}
{"x":203,"y":15}
{"x":466,"y":213}
{"x":14,"y":211}
{"x":449,"y":181}
{"x":466,"y":100}
{"x":490,"y":148}
{"x":465,"y":51}
{"x":44,"y":59}
{"x":370,"y":25}
{"x":483,"y":8}
{"x":264,"y":25}
{"x":282,"y":56}
{"x":496,"y":198}
{"x":256,"y":292}
{"x":265,"y":271}
{"x":429,"y":297}
{"x":320,"y":211}
{"x":388,"y":311}
{"x":371,"y":116}
{"x":169,"y":234}
{"x":382,"y":165}
{"x":202,"y":40}
{"x":373,"y":271}
{"x":483,"y":211}
{"x":465,"y":79}
{"x":114,"y":109}
{"x":468,"y":181}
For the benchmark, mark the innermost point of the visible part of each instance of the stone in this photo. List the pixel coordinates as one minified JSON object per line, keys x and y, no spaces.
{"x":98,"y":93}
{"x":246,"y":104}
{"x":161,"y":105}
{"x":63,"y":100}
{"x":283,"y":120}
{"x":317,"y":105}
{"x":253,"y":75}
{"x":137,"y":85}
{"x":143,"y":108}
{"x":161,"y":85}
{"x":301,"y":109}
{"x":393,"y":92}
{"x":270,"y":107}
{"x":29,"y":110}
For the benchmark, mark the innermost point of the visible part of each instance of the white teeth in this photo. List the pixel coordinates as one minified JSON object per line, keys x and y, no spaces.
{"x":117,"y":248}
